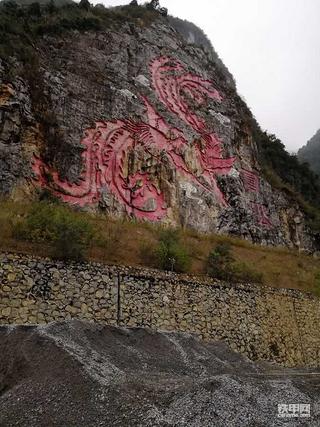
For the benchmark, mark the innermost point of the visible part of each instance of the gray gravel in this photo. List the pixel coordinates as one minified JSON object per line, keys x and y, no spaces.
{"x":82,"y":374}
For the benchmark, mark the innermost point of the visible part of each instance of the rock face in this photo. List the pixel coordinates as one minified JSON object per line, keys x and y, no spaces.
{"x":15,"y":115}
{"x":80,"y":374}
{"x":139,"y":122}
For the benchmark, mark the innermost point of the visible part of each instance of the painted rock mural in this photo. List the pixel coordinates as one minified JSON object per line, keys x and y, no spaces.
{"x":106,"y":147}
{"x":141,"y":124}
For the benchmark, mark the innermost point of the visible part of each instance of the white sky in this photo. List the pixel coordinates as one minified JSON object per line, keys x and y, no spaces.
{"x":272,"y":48}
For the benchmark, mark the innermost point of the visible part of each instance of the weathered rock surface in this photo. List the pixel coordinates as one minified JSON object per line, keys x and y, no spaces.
{"x":80,"y":374}
{"x":15,"y":116}
{"x":137,"y":121}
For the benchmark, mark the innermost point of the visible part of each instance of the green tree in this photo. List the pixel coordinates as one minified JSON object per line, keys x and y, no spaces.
{"x":51,"y":7}
{"x":34,"y":9}
{"x":219,"y":263}
{"x":163,"y":11}
{"x":170,"y":253}
{"x":153,"y":5}
{"x":10,"y":7}
{"x":84,"y":4}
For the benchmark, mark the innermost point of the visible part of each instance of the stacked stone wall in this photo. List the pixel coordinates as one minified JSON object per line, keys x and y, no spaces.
{"x":264,"y":323}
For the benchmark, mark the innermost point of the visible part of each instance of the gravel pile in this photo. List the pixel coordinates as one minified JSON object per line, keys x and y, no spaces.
{"x":83,"y":374}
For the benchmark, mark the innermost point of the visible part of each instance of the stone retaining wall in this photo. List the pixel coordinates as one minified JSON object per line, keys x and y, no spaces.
{"x":261,"y":322}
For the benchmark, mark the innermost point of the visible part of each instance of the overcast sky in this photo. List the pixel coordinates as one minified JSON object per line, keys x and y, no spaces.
{"x":272,"y":48}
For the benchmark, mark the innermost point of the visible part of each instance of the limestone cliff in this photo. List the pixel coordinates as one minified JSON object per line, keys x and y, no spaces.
{"x":137,"y":121}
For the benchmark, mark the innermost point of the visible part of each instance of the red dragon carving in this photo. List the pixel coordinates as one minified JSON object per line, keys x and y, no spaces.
{"x":106,"y":148}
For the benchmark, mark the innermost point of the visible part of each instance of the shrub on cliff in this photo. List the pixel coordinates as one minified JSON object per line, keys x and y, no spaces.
{"x":68,"y":232}
{"x":170,"y":253}
{"x":222,"y":265}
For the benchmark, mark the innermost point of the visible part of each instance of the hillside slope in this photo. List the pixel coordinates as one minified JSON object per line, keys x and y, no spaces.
{"x":311,"y":153}
{"x":76,"y":373}
{"x":114,"y":110}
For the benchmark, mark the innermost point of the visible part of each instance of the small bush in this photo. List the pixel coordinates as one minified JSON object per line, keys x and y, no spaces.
{"x":221,"y":265}
{"x":317,"y":283}
{"x":45,"y":195}
{"x":73,"y":237}
{"x":170,"y":254}
{"x":220,"y":261}
{"x":241,"y":272}
{"x":68,"y":232}
{"x":147,"y":253}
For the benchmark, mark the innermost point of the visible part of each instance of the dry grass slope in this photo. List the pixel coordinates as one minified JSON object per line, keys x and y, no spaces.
{"x":128,"y":242}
